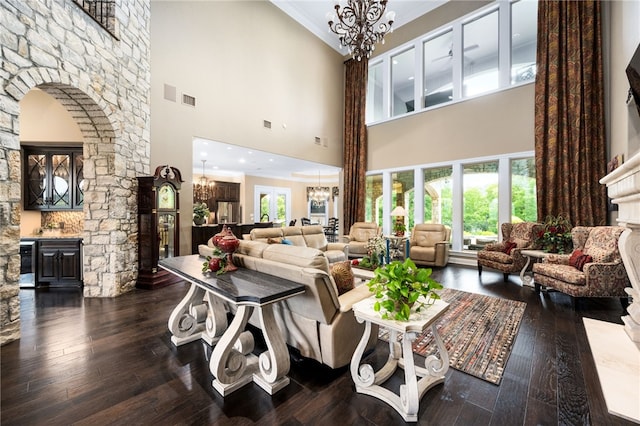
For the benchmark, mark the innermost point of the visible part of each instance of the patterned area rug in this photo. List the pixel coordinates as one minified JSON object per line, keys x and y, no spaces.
{"x":478,"y":332}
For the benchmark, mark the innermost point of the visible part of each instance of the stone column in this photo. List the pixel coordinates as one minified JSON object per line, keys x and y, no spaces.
{"x":623,"y":187}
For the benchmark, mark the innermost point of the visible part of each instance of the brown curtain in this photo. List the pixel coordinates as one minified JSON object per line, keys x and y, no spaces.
{"x":570,"y":146}
{"x":355,"y":141}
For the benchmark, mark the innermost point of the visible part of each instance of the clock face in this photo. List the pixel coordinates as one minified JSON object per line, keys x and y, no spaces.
{"x":166,"y":197}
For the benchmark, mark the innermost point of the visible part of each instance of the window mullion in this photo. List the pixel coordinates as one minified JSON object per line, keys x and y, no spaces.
{"x":457,"y":61}
{"x":504,"y":44}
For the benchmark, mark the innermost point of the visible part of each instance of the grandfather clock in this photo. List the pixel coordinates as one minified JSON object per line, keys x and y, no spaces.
{"x":158,"y":225}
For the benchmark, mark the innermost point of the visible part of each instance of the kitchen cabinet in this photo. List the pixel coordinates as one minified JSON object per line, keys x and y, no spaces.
{"x":53,"y":178}
{"x":227,"y":191}
{"x":59,"y":262}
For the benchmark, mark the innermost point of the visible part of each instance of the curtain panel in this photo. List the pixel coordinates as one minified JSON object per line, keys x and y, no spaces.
{"x":355,"y":141}
{"x":570,"y":145}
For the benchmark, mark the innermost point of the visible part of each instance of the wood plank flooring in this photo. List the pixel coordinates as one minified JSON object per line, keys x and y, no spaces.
{"x":111,"y":361}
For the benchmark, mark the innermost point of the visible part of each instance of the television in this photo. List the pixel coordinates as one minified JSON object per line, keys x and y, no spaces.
{"x":633,"y":74}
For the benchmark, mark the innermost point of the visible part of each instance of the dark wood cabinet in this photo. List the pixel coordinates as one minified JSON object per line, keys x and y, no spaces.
{"x":53,"y":178}
{"x":158,"y":225}
{"x":227,"y":191}
{"x":59,"y":262}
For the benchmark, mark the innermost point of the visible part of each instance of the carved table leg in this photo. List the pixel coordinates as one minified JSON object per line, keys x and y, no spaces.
{"x":526,"y":279}
{"x":274,"y":362}
{"x":216,"y":322}
{"x":231,"y":368}
{"x":183,"y":322}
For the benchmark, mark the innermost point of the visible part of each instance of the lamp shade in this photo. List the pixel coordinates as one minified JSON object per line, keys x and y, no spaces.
{"x":399,"y":211}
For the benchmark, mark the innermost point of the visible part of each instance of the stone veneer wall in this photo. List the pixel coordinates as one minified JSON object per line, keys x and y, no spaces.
{"x":105,"y":84}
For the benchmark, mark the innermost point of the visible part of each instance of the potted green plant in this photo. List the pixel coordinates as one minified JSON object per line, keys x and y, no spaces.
{"x":399,"y":286}
{"x":399,"y":228}
{"x":555,"y":237}
{"x":200,"y":213}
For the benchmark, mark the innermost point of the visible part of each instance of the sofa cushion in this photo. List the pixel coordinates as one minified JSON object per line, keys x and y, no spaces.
{"x":251,"y":248}
{"x":304,"y":257}
{"x":429,"y":239}
{"x":294,"y":234}
{"x":263,"y":234}
{"x":342,"y":275}
{"x":566,"y":273}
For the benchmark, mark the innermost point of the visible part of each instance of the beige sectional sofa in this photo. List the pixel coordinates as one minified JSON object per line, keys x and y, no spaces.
{"x":302,"y":236}
{"x":319,"y":323}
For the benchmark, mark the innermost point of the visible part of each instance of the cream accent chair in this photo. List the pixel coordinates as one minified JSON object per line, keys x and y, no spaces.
{"x":429,"y":244}
{"x":359,"y":235}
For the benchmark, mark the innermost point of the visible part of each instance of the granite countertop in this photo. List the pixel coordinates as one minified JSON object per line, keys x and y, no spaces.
{"x":48,"y":235}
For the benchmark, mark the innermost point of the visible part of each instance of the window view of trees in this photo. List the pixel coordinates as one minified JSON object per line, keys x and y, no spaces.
{"x":481,"y":192}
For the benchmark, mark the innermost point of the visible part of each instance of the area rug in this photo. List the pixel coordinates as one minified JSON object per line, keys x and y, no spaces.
{"x":478,"y":332}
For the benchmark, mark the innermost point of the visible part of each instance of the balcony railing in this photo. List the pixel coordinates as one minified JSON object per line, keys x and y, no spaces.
{"x":102,"y":11}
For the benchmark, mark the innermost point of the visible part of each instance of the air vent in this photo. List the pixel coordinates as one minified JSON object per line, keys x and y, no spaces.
{"x":188,"y":100}
{"x":318,"y":141}
{"x":170,"y":93}
{"x":266,"y":124}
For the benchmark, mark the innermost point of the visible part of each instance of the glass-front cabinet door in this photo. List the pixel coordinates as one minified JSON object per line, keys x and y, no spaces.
{"x":53,"y":179}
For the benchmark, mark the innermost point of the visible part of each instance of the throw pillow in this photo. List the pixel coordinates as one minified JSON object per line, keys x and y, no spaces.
{"x":578,"y":259}
{"x":343,"y":276}
{"x":508,"y":246}
{"x":573,"y":260}
{"x":287,"y":242}
{"x":584,"y":259}
{"x":274,"y":240}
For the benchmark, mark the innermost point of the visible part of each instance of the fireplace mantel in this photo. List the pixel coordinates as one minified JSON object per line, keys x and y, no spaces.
{"x":623,"y":187}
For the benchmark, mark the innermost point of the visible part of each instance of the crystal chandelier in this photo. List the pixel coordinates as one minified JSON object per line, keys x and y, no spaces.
{"x":318,"y":195}
{"x":203,"y":189}
{"x":359,"y":25}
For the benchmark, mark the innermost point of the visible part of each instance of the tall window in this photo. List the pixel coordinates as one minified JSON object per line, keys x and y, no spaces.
{"x":523,"y":41}
{"x":402,"y":82}
{"x":438,"y":196}
{"x":523,"y":190}
{"x":438,"y":69}
{"x":480,"y":55}
{"x":480,"y":201}
{"x":373,"y":199}
{"x":374,"y":94}
{"x":466,"y":57}
{"x":403,"y":195}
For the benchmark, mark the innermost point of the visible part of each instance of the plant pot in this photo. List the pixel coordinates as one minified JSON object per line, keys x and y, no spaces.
{"x":198,"y":220}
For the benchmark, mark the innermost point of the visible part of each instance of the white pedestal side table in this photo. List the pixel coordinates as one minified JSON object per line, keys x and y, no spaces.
{"x":530,"y":254}
{"x":368,"y":382}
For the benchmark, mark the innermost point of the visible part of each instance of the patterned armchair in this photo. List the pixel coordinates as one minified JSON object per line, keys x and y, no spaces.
{"x":603,"y":274}
{"x":505,"y":256}
{"x":359,"y":235}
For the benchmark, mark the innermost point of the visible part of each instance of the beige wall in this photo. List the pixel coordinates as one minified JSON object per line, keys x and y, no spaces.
{"x":489,"y":125}
{"x":43,"y":120}
{"x":244,"y":62}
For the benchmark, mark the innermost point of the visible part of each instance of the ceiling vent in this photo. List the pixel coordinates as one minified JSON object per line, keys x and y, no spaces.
{"x":170,"y":93}
{"x":188,"y":100}
{"x":318,"y":141}
{"x":266,"y":124}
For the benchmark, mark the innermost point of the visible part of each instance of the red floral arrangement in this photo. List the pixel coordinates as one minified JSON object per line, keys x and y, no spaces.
{"x":555,"y":237}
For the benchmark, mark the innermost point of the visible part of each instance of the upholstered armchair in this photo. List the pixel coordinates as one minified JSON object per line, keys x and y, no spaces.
{"x":359,"y":235}
{"x":429,"y":244}
{"x":506,"y":255}
{"x":600,"y":273}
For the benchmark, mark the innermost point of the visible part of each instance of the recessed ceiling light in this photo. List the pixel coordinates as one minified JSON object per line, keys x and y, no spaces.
{"x":271,"y":160}
{"x":242,"y":160}
{"x":249,"y":152}
{"x":411,"y":78}
{"x":229,"y":148}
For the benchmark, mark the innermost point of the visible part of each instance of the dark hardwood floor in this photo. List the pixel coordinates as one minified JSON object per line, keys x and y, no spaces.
{"x":111,"y":361}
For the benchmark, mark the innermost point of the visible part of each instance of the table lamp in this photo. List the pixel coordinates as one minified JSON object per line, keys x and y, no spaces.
{"x":399,"y":212}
